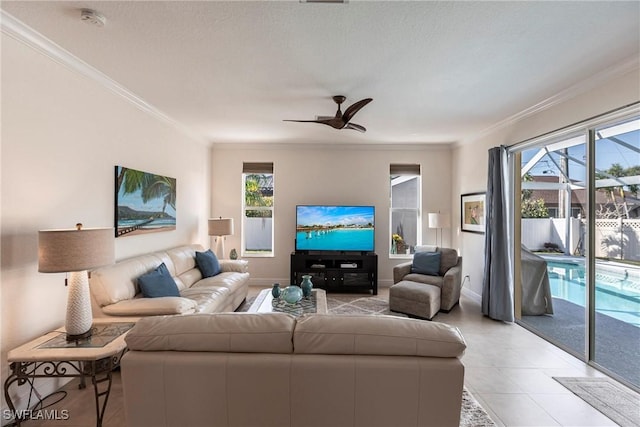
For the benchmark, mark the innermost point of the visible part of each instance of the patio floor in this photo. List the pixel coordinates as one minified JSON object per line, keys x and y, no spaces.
{"x":617,"y":342}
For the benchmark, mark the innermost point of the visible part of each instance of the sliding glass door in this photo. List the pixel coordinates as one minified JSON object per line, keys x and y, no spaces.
{"x":616,"y":318}
{"x":580,"y":243}
{"x":553,"y":218}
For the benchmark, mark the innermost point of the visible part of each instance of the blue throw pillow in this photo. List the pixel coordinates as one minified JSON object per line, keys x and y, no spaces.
{"x":158,"y":283}
{"x":207,"y":263}
{"x":426,"y":263}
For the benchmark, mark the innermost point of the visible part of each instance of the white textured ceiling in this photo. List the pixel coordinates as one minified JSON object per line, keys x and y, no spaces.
{"x":438,"y":72}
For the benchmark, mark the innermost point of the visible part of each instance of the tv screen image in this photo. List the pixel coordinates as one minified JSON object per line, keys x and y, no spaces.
{"x":335,"y":228}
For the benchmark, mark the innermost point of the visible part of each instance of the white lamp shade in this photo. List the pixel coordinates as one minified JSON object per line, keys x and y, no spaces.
{"x":221,"y":227}
{"x":438,"y":220}
{"x":61,"y":251}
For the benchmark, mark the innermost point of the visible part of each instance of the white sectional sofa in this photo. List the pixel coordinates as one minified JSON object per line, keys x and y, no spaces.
{"x":271,"y":369}
{"x":115,"y":291}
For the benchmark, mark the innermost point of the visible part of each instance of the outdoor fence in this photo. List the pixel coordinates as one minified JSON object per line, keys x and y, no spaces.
{"x":618,"y":238}
{"x":615,"y":238}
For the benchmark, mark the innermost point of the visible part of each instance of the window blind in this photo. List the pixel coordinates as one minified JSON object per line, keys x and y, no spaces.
{"x":404,"y":169}
{"x":264,"y":167}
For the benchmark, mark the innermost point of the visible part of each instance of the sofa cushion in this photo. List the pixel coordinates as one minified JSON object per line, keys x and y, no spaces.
{"x":376,"y":335}
{"x":220,"y":332}
{"x":118,"y":282}
{"x":209,"y":299}
{"x":151,"y":307}
{"x":207,"y":263}
{"x":426,"y":263}
{"x":158,"y":283}
{"x":183,"y":257}
{"x":425,"y":278}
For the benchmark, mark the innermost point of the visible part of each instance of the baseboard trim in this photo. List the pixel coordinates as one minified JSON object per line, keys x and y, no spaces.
{"x":472,"y":295}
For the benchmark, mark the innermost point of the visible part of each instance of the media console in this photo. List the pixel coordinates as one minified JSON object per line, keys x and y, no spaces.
{"x":337,"y":271}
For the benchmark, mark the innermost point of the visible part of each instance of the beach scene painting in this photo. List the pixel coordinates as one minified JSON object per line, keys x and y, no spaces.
{"x":145,"y":202}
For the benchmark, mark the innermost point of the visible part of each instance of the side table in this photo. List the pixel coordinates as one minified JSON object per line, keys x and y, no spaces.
{"x":51,"y":356}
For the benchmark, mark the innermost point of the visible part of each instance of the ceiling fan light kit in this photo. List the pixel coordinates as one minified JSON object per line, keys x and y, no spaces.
{"x":341,"y":120}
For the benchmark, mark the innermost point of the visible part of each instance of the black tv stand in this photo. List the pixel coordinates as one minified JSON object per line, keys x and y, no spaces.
{"x":337,"y":271}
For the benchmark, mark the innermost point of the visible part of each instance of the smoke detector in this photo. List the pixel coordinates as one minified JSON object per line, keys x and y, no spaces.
{"x":93,"y":17}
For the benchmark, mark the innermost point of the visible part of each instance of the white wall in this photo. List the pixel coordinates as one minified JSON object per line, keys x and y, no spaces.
{"x":62,"y":135}
{"x":470,"y":159}
{"x":329,"y":174}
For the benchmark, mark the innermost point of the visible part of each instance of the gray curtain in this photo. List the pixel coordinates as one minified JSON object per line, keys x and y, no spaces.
{"x":497,"y":286}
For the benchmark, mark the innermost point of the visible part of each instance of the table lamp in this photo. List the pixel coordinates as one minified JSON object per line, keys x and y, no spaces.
{"x":75,"y":251}
{"x":220,"y":227}
{"x":439,"y":221}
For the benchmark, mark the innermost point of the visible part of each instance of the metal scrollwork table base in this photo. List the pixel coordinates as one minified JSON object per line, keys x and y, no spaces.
{"x":51,"y":356}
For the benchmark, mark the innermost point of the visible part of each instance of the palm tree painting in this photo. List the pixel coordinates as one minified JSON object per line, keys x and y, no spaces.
{"x":145,"y":202}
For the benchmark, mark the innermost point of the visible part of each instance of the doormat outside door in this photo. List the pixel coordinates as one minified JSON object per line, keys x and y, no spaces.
{"x":607,"y":396}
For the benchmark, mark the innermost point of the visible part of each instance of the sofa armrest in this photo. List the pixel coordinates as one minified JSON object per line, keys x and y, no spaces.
{"x":401,"y":270}
{"x":234,"y":265}
{"x":451,"y":286}
{"x":453,"y":276}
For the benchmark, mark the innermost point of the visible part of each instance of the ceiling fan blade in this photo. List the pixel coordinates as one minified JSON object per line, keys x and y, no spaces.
{"x":354,"y":108}
{"x":356,"y":127}
{"x":333,"y":122}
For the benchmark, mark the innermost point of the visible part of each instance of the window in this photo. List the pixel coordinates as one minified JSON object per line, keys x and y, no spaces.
{"x":257,"y":209}
{"x":405,"y":190}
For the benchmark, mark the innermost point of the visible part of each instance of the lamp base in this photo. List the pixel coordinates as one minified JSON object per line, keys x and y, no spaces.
{"x":219,"y":252}
{"x":79,"y":337}
{"x":79,"y":317}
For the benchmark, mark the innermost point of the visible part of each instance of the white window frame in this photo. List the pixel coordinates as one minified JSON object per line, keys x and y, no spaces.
{"x":405,"y":173}
{"x":257,"y":169}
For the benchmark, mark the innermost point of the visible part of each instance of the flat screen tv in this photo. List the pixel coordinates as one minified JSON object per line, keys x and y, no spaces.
{"x":335,"y":228}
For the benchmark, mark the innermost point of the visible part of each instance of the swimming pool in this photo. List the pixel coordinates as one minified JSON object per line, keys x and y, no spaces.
{"x":617,"y":287}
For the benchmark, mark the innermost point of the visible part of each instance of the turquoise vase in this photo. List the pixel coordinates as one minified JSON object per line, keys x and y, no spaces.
{"x":291,"y":294}
{"x":306,"y":285}
{"x":275,"y":291}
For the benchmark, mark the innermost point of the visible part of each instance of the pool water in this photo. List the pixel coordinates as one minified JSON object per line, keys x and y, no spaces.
{"x":617,"y":288}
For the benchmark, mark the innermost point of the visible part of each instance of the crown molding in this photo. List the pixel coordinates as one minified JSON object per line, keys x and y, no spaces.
{"x":311,"y":145}
{"x":579,"y":88}
{"x":26,"y":35}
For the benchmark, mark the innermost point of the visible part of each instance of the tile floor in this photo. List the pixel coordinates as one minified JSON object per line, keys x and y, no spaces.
{"x":509,"y":370}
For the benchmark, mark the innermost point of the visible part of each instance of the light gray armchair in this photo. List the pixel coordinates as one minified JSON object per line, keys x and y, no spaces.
{"x":449,"y":279}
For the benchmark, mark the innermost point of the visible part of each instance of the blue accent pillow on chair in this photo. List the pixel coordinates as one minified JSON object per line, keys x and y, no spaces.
{"x":207,"y":263}
{"x":158,"y":283}
{"x":426,"y":263}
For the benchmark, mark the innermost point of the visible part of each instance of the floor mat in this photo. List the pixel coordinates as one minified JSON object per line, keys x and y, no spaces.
{"x":607,"y":396}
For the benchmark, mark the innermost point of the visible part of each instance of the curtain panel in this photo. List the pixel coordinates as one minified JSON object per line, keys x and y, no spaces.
{"x":497,"y":287}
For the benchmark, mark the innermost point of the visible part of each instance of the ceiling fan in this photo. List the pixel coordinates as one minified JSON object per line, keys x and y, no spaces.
{"x":341,"y":120}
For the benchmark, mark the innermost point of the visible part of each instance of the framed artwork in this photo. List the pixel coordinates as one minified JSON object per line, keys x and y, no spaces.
{"x":473,"y":212}
{"x":145,"y":202}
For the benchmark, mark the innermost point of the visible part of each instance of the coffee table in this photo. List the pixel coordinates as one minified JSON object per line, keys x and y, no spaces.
{"x":266,"y":303}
